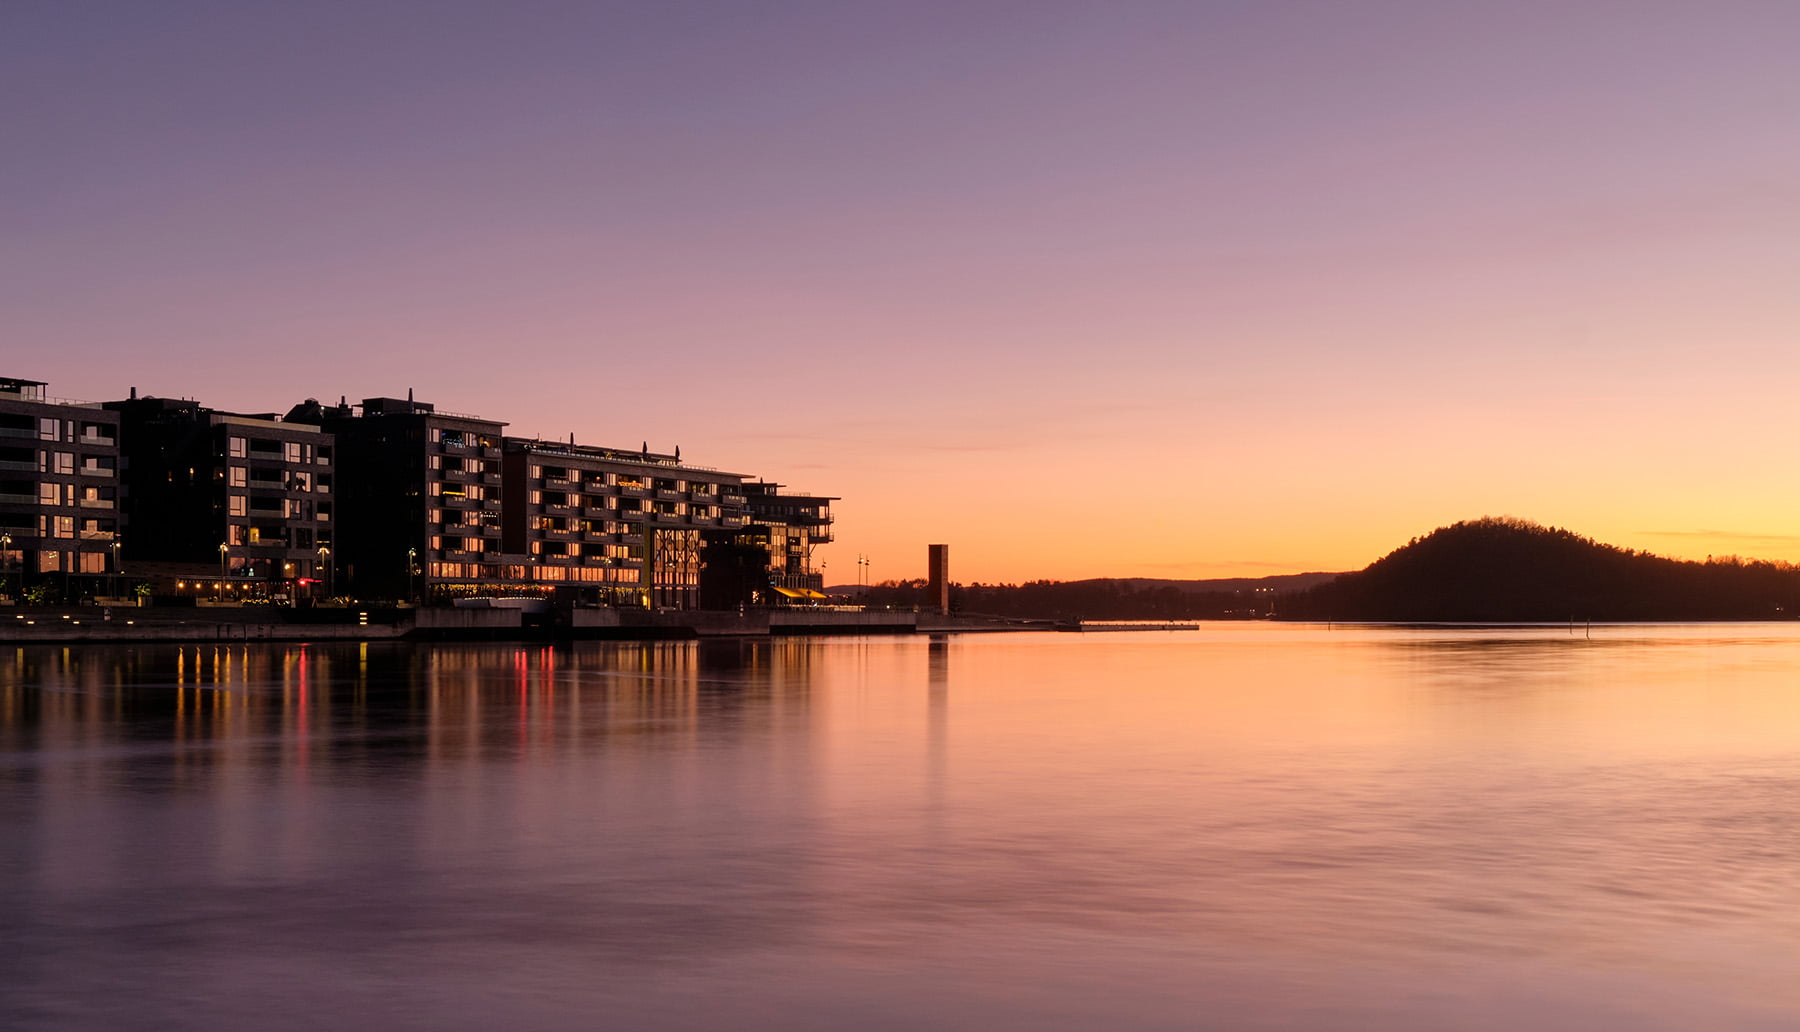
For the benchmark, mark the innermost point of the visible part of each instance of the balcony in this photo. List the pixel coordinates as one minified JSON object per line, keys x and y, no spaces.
{"x":14,"y":431}
{"x":669,"y":496}
{"x":734,"y":521}
{"x":95,"y":503}
{"x":25,"y":467}
{"x":624,"y":492}
{"x":98,"y":441}
{"x":733,"y":499}
{"x":97,"y":535}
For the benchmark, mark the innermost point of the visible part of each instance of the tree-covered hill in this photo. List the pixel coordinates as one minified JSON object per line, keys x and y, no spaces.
{"x":1504,"y":570}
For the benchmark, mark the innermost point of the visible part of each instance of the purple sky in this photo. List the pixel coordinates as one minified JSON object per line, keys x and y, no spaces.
{"x":1175,"y":289}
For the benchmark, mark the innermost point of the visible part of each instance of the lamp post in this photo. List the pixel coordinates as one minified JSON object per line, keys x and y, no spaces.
{"x":5,"y":558}
{"x":325,"y":565}
{"x":115,"y":570}
{"x":412,"y":569}
{"x":224,"y":555}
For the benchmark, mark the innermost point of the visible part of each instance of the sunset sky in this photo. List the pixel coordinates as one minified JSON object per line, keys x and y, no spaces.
{"x":1173,"y":289}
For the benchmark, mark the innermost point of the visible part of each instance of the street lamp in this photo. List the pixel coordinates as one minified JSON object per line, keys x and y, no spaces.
{"x":115,"y":570}
{"x":325,"y":564}
{"x":224,"y":553}
{"x":412,"y":569}
{"x":5,"y":557}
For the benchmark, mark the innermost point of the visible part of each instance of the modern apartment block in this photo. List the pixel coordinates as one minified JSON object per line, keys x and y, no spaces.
{"x":790,"y":526}
{"x":59,"y":494}
{"x":613,"y":526}
{"x":226,"y":505}
{"x":418,"y":495}
{"x":387,"y":499}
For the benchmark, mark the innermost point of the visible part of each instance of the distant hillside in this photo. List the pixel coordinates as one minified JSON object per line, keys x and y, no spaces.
{"x":1106,"y":598}
{"x":1504,"y":570}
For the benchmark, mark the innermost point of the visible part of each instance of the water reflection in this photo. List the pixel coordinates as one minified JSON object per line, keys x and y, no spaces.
{"x":1247,"y":827}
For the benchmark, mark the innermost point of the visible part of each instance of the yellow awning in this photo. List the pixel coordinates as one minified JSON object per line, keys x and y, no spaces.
{"x":789,"y":592}
{"x":810,"y":593}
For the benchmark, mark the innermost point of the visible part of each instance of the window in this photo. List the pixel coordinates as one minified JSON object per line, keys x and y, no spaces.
{"x":238,"y":505}
{"x":49,"y":429}
{"x":93,"y":562}
{"x":236,"y":476}
{"x":238,"y":447}
{"x":62,"y":526}
{"x":50,"y":494}
{"x":49,"y":562}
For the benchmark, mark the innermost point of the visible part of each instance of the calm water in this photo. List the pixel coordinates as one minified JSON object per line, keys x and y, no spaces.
{"x":1244,"y":827}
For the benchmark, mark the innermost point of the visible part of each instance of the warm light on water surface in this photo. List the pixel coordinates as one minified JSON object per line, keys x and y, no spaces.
{"x":1242,"y":827}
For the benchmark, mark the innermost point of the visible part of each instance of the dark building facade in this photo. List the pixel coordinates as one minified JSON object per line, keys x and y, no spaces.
{"x":226,"y":505}
{"x":60,"y":520}
{"x":419,"y":499}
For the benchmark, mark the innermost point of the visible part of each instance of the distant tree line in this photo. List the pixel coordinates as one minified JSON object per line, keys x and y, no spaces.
{"x":1101,"y":599}
{"x":1501,"y":569}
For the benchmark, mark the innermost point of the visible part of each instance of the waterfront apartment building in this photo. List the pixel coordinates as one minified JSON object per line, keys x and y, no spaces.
{"x":790,"y":526}
{"x":225,"y":505}
{"x":418,"y":499}
{"x":611,"y":526}
{"x":59,"y":495}
{"x":387,"y":499}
